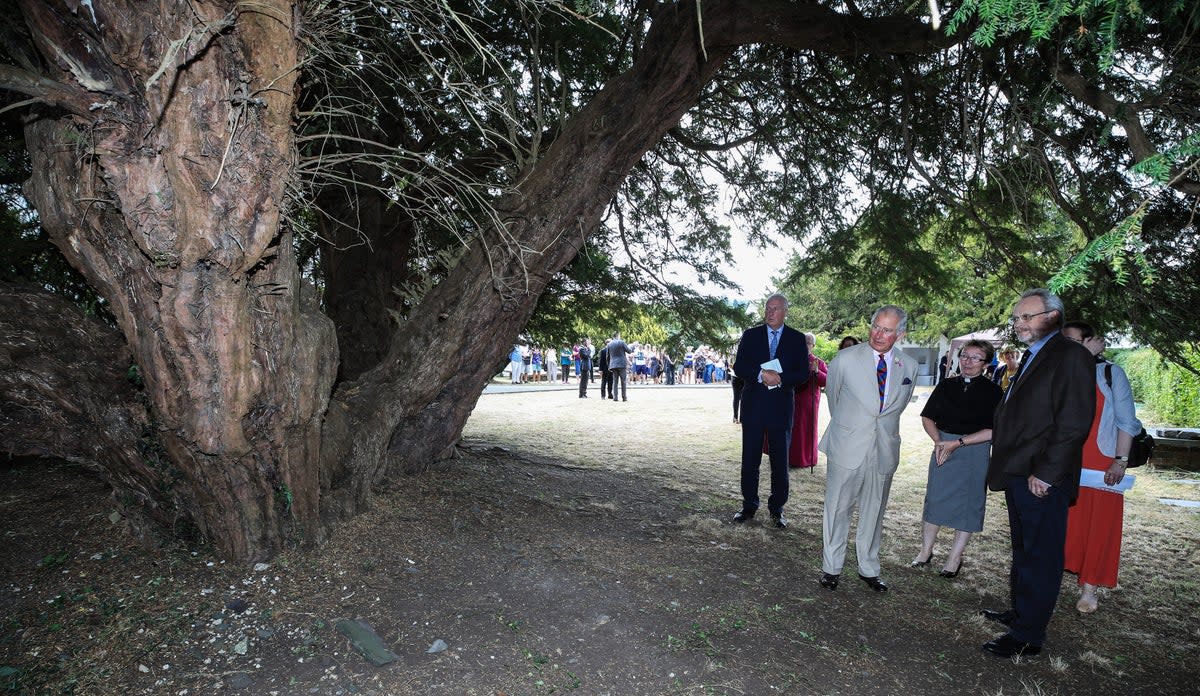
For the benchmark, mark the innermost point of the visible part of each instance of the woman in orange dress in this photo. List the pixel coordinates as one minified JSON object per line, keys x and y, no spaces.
{"x":1093,"y":548}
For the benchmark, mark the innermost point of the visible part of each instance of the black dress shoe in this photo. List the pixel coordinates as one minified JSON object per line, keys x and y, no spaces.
{"x":1004,"y":617}
{"x":1007,"y":646}
{"x":874,"y":583}
{"x":743,"y":515}
{"x":829,"y":582}
{"x":779,"y":521}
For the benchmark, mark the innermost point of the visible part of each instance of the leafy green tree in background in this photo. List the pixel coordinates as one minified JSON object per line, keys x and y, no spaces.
{"x":1170,"y":393}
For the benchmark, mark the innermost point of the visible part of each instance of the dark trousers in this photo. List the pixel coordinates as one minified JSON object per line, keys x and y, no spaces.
{"x":778,"y":441}
{"x":670,"y":374}
{"x":1038,"y":527}
{"x":584,"y":377}
{"x":738,"y":385}
{"x":618,"y":373}
{"x":606,"y":381}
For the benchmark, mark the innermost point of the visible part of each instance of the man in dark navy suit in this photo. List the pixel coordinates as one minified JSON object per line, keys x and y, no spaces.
{"x":1037,"y":451}
{"x":767,"y":405}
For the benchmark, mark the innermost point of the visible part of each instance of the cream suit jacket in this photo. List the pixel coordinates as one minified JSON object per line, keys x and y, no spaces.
{"x":859,"y":434}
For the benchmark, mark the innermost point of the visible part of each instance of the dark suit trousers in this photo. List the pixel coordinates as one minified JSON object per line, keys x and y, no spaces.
{"x":778,"y":441}
{"x":618,"y":373}
{"x":584,"y":377}
{"x":1038,"y":527}
{"x":606,"y":380}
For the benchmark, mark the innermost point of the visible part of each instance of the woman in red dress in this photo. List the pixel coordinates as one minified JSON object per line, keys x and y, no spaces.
{"x":802,"y":454}
{"x":1093,"y":548}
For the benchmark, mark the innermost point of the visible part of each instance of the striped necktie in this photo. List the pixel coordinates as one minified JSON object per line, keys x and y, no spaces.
{"x":881,"y":377}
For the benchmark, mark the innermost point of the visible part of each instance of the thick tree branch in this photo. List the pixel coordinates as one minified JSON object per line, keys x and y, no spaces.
{"x":44,"y":90}
{"x":1128,"y":115}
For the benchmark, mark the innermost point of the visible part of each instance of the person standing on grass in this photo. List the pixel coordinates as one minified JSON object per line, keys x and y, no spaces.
{"x":550,"y":358}
{"x":767,"y":405}
{"x":618,"y":363}
{"x":868,"y":386}
{"x":1093,"y":548}
{"x":958,"y":418}
{"x":564,"y":364}
{"x":1038,"y":433}
{"x":515,"y":364}
{"x":585,"y":366}
{"x":605,"y":375}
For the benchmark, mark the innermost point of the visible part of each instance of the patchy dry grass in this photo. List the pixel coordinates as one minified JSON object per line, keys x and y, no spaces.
{"x":576,"y":546}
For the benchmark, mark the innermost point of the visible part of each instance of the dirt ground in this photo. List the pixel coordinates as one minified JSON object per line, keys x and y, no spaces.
{"x":575,"y":546}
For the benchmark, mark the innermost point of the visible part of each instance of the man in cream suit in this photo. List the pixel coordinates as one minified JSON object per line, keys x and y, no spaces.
{"x":867,"y":388}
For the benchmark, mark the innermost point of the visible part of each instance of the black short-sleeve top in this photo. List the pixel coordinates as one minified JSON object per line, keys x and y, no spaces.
{"x":963,"y":406}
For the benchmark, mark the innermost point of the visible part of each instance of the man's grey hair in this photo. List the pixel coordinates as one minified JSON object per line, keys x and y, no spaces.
{"x":1050,"y":302}
{"x":893,"y":309}
{"x":775,"y":295}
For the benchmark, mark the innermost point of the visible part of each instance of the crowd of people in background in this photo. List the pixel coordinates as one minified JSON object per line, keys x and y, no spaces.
{"x":648,"y":364}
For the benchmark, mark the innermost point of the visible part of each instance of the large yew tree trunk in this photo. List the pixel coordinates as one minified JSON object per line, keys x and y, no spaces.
{"x":161,"y":149}
{"x":160,"y":175}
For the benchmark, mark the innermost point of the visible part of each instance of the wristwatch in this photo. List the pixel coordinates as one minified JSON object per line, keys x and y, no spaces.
{"x":1121,"y":459}
{"x":961,"y":442}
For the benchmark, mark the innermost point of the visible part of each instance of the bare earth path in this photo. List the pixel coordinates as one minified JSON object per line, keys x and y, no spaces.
{"x":576,"y":546}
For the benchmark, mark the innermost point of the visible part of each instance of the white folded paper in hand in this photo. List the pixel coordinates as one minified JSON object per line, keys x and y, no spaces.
{"x":773,"y":366}
{"x":1095,"y":479}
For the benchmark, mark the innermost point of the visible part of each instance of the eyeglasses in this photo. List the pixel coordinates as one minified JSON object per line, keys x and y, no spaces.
{"x":971,"y":358}
{"x":876,"y":328}
{"x":1026,"y":317}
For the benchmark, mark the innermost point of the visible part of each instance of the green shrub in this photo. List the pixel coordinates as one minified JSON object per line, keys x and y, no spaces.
{"x":1170,"y":393}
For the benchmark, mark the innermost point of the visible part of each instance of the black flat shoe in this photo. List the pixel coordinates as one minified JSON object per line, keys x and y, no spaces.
{"x":951,"y":573}
{"x":743,"y":515}
{"x":1001,"y":617}
{"x":922,"y":564}
{"x":829,"y":581}
{"x":874,"y":583}
{"x":1007,"y":646}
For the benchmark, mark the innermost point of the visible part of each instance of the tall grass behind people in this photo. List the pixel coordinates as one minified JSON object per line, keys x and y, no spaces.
{"x":958,"y":418}
{"x":1094,"y":523}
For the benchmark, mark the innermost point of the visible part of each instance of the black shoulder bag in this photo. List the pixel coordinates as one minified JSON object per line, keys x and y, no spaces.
{"x":1143,"y":443}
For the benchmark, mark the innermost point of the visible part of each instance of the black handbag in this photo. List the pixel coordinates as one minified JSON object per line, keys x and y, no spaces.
{"x":1141,"y":450}
{"x":1143,"y":443}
